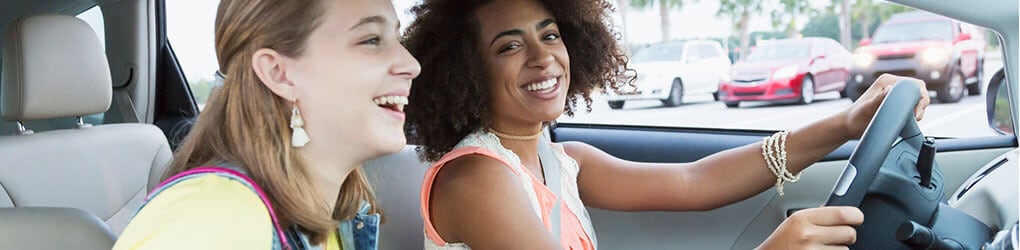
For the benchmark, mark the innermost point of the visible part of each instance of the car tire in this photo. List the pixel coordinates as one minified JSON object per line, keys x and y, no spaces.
{"x":616,"y":104}
{"x":676,"y":94}
{"x":807,"y":90}
{"x":715,"y":96}
{"x":975,"y":88}
{"x":853,"y":91}
{"x":731,"y":104}
{"x":952,"y":90}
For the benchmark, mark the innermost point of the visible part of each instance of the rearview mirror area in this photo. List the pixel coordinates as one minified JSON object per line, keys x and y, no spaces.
{"x":1000,"y":115}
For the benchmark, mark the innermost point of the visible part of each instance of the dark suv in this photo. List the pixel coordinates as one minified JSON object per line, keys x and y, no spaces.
{"x":947,"y":55}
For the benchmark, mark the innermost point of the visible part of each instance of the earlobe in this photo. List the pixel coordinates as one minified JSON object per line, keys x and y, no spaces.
{"x":271,"y":70}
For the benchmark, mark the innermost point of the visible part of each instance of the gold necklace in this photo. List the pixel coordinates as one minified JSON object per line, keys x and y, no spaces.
{"x":516,"y":137}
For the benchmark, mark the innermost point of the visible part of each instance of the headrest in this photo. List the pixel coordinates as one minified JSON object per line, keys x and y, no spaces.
{"x":53,"y":66}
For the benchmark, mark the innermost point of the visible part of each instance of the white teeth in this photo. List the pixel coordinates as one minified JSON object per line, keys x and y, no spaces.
{"x":395,"y":101}
{"x":544,"y":85}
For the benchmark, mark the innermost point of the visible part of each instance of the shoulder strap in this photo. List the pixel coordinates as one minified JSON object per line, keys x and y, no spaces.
{"x":551,"y":170}
{"x":194,"y":172}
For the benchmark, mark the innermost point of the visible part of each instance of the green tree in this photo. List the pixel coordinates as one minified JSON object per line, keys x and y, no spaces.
{"x":866,"y":12}
{"x":862,"y":13}
{"x":739,"y":11}
{"x":789,"y":10}
{"x":827,"y":25}
{"x":664,"y":7}
{"x":822,"y":25}
{"x":201,"y":89}
{"x":839,"y":8}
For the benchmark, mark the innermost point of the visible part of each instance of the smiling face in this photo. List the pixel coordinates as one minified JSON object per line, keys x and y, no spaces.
{"x":525,"y":62}
{"x":352,"y":80}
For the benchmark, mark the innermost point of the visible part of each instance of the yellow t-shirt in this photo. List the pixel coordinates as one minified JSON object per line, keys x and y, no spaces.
{"x":206,"y":212}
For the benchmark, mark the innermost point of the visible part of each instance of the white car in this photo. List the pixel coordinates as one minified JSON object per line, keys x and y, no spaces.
{"x":671,"y":71}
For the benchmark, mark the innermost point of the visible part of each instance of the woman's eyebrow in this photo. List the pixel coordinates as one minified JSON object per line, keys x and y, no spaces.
{"x":369,"y":20}
{"x":540,"y":25}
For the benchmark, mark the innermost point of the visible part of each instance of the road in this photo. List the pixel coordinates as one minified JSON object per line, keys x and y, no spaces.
{"x":964,"y":119}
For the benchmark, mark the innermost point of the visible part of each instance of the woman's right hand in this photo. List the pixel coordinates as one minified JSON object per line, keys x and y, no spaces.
{"x":817,"y":228}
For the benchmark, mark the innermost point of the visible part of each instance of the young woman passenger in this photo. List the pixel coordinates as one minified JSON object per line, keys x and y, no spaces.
{"x":312,"y":89}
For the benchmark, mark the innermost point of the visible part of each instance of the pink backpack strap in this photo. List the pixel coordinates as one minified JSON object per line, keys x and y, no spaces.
{"x":227,"y":172}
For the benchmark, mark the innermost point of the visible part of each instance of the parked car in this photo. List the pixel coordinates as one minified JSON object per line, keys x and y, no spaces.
{"x":671,"y":71}
{"x":946,"y":54}
{"x":790,"y":69}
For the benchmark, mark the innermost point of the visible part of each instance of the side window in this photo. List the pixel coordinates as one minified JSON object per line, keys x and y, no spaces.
{"x":716,"y":51}
{"x":707,"y":51}
{"x":94,"y":17}
{"x":817,"y":49}
{"x":189,"y":29}
{"x":694,"y":53}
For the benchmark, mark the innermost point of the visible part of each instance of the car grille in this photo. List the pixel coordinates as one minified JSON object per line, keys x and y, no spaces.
{"x":757,"y":93}
{"x":900,"y":56}
{"x":750,"y":76}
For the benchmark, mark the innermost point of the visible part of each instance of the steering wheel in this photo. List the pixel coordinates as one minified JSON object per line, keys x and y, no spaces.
{"x":894,"y":119}
{"x":893,"y":178}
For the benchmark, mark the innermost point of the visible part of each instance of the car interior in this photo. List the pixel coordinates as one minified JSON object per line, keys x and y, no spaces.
{"x":89,"y":122}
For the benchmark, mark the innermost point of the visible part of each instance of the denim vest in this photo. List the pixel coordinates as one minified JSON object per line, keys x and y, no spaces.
{"x":358,"y":233}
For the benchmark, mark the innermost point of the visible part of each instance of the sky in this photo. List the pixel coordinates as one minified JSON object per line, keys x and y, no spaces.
{"x":190,"y":28}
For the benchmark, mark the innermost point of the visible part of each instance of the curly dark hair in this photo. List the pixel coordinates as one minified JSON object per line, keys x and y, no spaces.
{"x":450,"y":99}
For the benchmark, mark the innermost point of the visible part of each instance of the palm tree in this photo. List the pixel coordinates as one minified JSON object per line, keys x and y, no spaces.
{"x":789,"y":9}
{"x":844,"y":20}
{"x":863,"y":11}
{"x":740,"y":12}
{"x":664,"y":7}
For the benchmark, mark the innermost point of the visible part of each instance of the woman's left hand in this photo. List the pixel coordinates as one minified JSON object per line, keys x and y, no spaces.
{"x":862,"y":111}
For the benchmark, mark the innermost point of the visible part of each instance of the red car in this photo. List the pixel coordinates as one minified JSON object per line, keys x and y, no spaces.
{"x":946,"y":54}
{"x":788,"y":70}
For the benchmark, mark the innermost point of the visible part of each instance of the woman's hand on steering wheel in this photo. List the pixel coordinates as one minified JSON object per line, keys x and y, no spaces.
{"x":816,"y":228}
{"x":860,"y":114}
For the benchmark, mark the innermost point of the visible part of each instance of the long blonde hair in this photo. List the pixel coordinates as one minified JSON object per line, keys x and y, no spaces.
{"x":246,"y":124}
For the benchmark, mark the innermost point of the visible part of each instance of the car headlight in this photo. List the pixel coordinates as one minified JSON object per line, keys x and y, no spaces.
{"x":864,"y":59}
{"x":935,"y":55}
{"x":785,"y":72}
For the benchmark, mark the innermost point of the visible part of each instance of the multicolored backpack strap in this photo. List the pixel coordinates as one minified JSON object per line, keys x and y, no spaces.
{"x":279,"y":236}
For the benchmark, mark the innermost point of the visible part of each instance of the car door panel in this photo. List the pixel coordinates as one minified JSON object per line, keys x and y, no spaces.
{"x":745,"y":224}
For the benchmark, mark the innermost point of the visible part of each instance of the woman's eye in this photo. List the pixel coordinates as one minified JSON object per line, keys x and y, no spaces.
{"x":509,"y":47}
{"x":370,"y":41}
{"x":551,"y":37}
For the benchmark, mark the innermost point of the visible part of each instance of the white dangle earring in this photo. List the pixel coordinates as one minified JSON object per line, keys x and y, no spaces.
{"x":298,"y":138}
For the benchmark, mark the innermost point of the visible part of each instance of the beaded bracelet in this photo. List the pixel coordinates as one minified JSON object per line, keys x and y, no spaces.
{"x":773,"y":149}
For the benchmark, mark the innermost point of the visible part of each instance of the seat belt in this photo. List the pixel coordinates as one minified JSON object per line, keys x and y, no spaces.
{"x":125,"y":108}
{"x":551,"y":170}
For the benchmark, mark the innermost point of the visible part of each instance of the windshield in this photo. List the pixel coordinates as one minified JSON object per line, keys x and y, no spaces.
{"x":914,"y":31}
{"x":779,"y":52}
{"x":658,"y":53}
